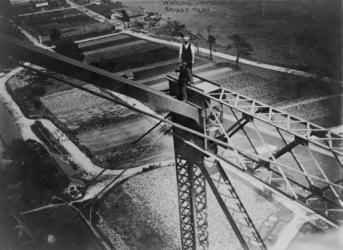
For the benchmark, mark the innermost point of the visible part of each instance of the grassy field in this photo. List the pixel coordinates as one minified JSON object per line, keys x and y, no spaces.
{"x":102,"y":129}
{"x":324,"y":111}
{"x":77,"y":108}
{"x":115,"y":46}
{"x":113,"y":144}
{"x":124,"y":52}
{"x":107,"y":130}
{"x":290,"y":33}
{"x":129,"y":60}
{"x":310,"y":99}
{"x":25,"y":80}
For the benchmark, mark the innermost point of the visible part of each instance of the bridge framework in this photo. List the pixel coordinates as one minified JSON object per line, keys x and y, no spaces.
{"x":205,"y":147}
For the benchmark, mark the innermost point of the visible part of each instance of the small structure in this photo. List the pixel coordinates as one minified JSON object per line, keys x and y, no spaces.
{"x":132,"y":15}
{"x":38,"y":4}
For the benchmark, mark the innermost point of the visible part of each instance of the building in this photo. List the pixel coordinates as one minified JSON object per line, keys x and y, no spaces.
{"x":40,"y":4}
{"x":130,"y":15}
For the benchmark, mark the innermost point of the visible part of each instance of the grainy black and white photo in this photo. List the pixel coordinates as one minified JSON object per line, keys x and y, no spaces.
{"x":171,"y":124}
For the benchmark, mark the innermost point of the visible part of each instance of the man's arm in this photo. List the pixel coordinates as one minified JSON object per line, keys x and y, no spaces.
{"x":180,"y":54}
{"x":190,"y":76}
{"x":193,"y":53}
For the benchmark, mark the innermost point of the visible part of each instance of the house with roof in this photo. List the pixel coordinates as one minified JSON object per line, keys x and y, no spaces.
{"x":129,"y":15}
{"x":133,"y":15}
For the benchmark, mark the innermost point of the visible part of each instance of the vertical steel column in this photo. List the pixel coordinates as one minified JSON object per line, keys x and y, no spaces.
{"x":191,"y":185}
{"x":186,"y":210}
{"x":200,"y":206}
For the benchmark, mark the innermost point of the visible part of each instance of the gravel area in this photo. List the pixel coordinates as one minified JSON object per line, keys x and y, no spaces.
{"x":319,"y":109}
{"x":20,"y":80}
{"x":110,"y":234}
{"x":148,"y":204}
{"x":114,"y":144}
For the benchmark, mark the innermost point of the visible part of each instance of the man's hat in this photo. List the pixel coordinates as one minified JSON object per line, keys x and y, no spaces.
{"x":186,"y":38}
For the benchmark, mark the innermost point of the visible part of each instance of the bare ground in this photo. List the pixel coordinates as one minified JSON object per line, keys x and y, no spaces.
{"x":145,"y":212}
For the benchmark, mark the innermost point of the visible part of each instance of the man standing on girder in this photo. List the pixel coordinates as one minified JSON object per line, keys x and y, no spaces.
{"x":186,"y":57}
{"x":184,"y":79}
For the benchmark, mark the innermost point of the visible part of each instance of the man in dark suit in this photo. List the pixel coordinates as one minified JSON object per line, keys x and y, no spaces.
{"x":186,"y":53}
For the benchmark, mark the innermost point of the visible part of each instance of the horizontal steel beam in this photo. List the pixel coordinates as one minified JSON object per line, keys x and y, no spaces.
{"x":327,"y":140}
{"x":98,"y":77}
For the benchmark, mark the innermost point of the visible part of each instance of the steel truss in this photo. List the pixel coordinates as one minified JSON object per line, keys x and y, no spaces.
{"x":192,"y":204}
{"x":306,"y":163}
{"x":233,"y":202}
{"x":304,"y":160}
{"x":258,"y":139}
{"x":191,"y":177}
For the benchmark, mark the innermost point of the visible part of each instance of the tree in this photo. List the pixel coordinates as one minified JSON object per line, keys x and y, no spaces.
{"x":54,"y":34}
{"x":177,"y":28}
{"x":196,"y":38}
{"x":210,"y":39}
{"x":240,"y":45}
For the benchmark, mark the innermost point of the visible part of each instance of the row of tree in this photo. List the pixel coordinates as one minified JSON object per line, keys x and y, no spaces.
{"x":238,"y":44}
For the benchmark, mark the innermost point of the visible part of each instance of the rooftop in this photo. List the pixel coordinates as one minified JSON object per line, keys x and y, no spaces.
{"x":133,"y":12}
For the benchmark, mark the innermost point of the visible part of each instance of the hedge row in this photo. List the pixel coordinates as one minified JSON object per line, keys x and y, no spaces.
{"x":44,"y":134}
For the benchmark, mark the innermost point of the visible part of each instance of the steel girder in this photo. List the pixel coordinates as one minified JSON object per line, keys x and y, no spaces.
{"x":191,"y":174}
{"x":304,"y":160}
{"x":249,"y":118}
{"x":194,"y":225}
{"x":300,"y":168}
{"x":158,"y":101}
{"x":200,"y":206}
{"x":298,"y":127}
{"x":192,"y":204}
{"x":191,"y":185}
{"x":186,"y":204}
